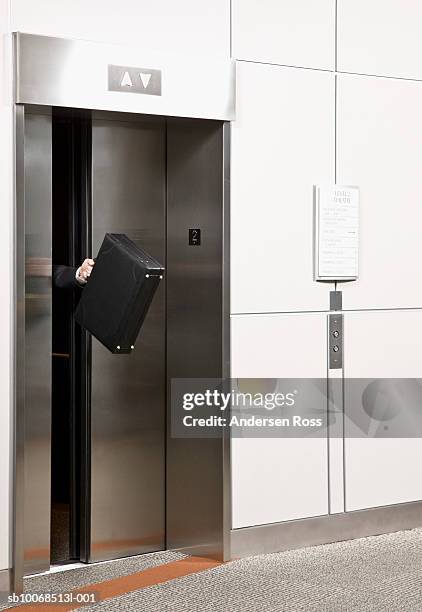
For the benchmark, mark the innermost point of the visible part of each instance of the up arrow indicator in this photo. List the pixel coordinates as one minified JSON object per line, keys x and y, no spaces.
{"x":126,"y":80}
{"x":145,"y":78}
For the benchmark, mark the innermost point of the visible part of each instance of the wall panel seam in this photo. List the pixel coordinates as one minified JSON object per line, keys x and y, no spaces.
{"x":351,"y":310}
{"x":329,"y":71}
{"x":247,"y":61}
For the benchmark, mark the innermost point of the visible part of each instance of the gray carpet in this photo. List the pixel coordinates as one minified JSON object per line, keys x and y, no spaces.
{"x":97,"y":572}
{"x":378,"y":574}
{"x":68,"y":580}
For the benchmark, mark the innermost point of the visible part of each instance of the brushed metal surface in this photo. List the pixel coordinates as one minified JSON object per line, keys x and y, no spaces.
{"x":74,"y":73}
{"x":195,"y":467}
{"x":128,"y":391}
{"x":129,"y":79}
{"x":129,"y":191}
{"x":226,"y":349}
{"x":277,"y":537}
{"x":38,"y":312}
{"x":5,"y":583}
{"x":6,"y":586}
{"x":335,"y":341}
{"x":17,"y":548}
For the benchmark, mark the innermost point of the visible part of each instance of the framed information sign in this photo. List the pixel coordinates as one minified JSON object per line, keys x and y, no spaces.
{"x":336,"y":232}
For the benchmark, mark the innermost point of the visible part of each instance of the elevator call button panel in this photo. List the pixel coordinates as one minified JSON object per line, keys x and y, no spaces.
{"x":335,"y":341}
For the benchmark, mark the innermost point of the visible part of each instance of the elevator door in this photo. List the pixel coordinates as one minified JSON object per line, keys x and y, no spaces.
{"x":37,"y":348}
{"x":127,"y":408}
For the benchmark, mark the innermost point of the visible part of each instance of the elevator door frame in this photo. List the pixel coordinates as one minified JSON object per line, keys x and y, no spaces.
{"x":222,"y":548}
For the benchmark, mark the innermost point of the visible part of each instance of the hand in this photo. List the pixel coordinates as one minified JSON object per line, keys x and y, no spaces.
{"x":86,"y":269}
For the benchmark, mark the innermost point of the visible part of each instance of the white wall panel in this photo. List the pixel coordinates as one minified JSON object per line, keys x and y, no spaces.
{"x":278,"y":479}
{"x":186,"y":26}
{"x":6,"y":250}
{"x":380,"y":37}
{"x":292,"y":32}
{"x":382,"y":345}
{"x":379,"y":142}
{"x":282,"y":143}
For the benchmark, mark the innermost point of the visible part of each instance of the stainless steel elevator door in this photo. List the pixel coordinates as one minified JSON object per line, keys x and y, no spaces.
{"x":38,"y":169}
{"x":128,"y":391}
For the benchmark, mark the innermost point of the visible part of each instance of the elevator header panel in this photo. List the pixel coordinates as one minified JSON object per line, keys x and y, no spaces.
{"x":336,"y":232}
{"x":74,"y":73}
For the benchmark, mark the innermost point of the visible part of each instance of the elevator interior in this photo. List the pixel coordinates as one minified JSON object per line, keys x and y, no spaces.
{"x":103,"y":478}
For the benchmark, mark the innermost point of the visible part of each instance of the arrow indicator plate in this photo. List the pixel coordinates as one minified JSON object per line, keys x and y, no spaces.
{"x":131,"y":79}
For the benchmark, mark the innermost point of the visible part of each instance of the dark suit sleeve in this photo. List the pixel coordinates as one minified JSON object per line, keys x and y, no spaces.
{"x":64,"y":277}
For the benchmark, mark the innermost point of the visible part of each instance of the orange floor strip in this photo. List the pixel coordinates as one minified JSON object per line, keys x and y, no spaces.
{"x":126,"y":584}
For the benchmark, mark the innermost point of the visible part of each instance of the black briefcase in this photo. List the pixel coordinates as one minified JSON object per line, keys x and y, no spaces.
{"x":116,"y":299}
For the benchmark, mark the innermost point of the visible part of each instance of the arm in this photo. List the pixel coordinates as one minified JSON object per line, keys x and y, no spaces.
{"x":67,"y":277}
{"x":64,"y":277}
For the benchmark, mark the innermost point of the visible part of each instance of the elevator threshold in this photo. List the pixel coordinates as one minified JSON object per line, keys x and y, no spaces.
{"x":55,"y":569}
{"x":59,"y":568}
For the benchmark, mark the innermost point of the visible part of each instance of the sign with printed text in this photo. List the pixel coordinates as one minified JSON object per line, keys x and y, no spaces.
{"x":336,"y":227}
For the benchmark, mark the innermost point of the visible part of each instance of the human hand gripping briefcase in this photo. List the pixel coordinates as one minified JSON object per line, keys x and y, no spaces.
{"x":116,"y":298}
